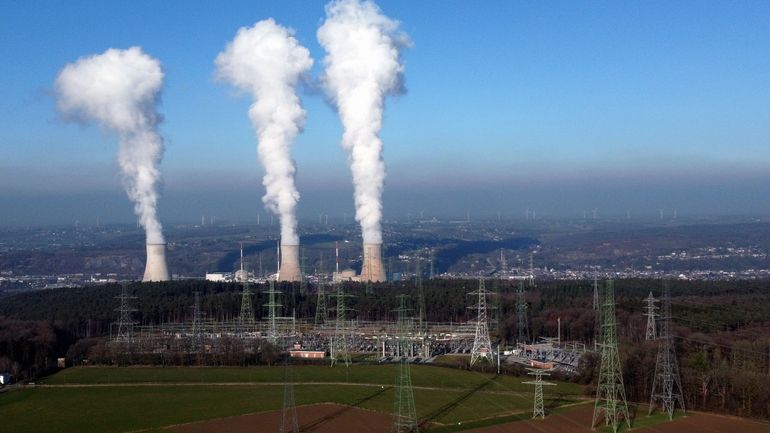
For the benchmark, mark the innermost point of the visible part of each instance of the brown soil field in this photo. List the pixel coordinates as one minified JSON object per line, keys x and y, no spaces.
{"x":333,"y":418}
{"x":579,"y":420}
{"x":317,"y":418}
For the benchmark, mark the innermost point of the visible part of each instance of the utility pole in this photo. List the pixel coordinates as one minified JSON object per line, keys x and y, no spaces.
{"x":340,"y":346}
{"x":610,"y":392}
{"x":521,"y":314}
{"x":667,"y":383}
{"x":539,"y":407}
{"x":404,"y":412}
{"x":482,"y":346}
{"x":650,"y":333}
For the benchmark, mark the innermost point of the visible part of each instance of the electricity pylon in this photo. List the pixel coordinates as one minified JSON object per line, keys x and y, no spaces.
{"x":320,"y":309}
{"x":539,"y":407}
{"x":610,"y":393}
{"x":302,"y":273}
{"x":421,"y":316}
{"x":666,"y":384}
{"x":598,"y":316}
{"x":125,"y":323}
{"x":482,"y":346}
{"x":246,"y":318}
{"x":650,"y":334}
{"x":340,"y":344}
{"x":272,"y":304}
{"x":521,"y":314}
{"x":404,"y":412}
{"x":197,"y":324}
{"x":289,"y":422}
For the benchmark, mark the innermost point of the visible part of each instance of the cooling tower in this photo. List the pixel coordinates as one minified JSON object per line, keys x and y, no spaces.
{"x":289,"y":263}
{"x":372,"y":269}
{"x":156,"y":269}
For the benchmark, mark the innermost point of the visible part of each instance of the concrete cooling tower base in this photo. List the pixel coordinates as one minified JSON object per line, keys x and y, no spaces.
{"x":289,"y":263}
{"x":372,"y":269}
{"x":156,"y":268}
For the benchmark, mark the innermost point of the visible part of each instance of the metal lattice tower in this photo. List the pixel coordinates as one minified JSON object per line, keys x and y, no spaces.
{"x":197,"y":323}
{"x":340,"y":344}
{"x":539,"y":407}
{"x":272,"y":304}
{"x":302,"y":273}
{"x":598,"y":316}
{"x":610,"y":392}
{"x":404,"y":412}
{"x":321,"y":312}
{"x":246,"y":318}
{"x":666,"y":384}
{"x":289,"y":421}
{"x":125,"y":323}
{"x":422,"y":323}
{"x":651,"y":333}
{"x":432,"y":265}
{"x":531,"y":270}
{"x":503,"y":262}
{"x":482,"y":346}
{"x":522,"y":308}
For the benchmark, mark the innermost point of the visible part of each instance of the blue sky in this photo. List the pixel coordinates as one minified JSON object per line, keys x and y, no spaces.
{"x":561,"y":106}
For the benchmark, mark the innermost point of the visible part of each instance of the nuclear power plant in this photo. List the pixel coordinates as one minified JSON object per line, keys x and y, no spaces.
{"x":156,"y":269}
{"x":372,"y":268}
{"x":289,"y":270}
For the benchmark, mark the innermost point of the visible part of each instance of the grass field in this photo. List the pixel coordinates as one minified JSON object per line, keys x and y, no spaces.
{"x":113,"y":400}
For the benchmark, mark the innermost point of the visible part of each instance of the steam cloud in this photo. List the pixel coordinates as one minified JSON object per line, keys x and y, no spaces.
{"x":267,"y":61}
{"x":120,"y":89}
{"x":362,"y":67}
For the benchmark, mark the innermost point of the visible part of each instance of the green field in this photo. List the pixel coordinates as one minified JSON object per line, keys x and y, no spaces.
{"x":112,"y":399}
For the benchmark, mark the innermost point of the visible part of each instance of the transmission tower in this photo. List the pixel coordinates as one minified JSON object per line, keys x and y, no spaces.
{"x":302,"y":273}
{"x":289,"y":422}
{"x":651,"y":333}
{"x":246,"y":318}
{"x":321,"y":312}
{"x":666,"y":384}
{"x":539,"y":407}
{"x":340,"y":344}
{"x":404,"y":412}
{"x":422,"y":323}
{"x":197,"y":324}
{"x":503,"y":262}
{"x":432,"y":265}
{"x":598,"y":316}
{"x":521,"y":314}
{"x":405,"y":415}
{"x":125,"y":323}
{"x":272,"y":304}
{"x":482,"y":346}
{"x":610,"y":393}
{"x":531,"y":270}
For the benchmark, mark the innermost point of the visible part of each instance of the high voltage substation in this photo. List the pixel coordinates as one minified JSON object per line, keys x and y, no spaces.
{"x":335,"y":333}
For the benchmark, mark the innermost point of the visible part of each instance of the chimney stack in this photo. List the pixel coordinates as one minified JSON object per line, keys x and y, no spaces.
{"x":289,"y":270}
{"x":156,"y":268}
{"x":372,"y":269}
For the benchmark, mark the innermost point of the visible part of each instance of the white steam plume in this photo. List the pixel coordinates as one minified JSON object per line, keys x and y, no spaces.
{"x":267,"y":61}
{"x":362,"y":67}
{"x":120,"y":89}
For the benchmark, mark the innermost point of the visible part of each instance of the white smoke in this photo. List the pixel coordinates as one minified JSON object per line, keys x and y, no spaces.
{"x":267,"y":61}
{"x":120,"y":89}
{"x":362,"y":67}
